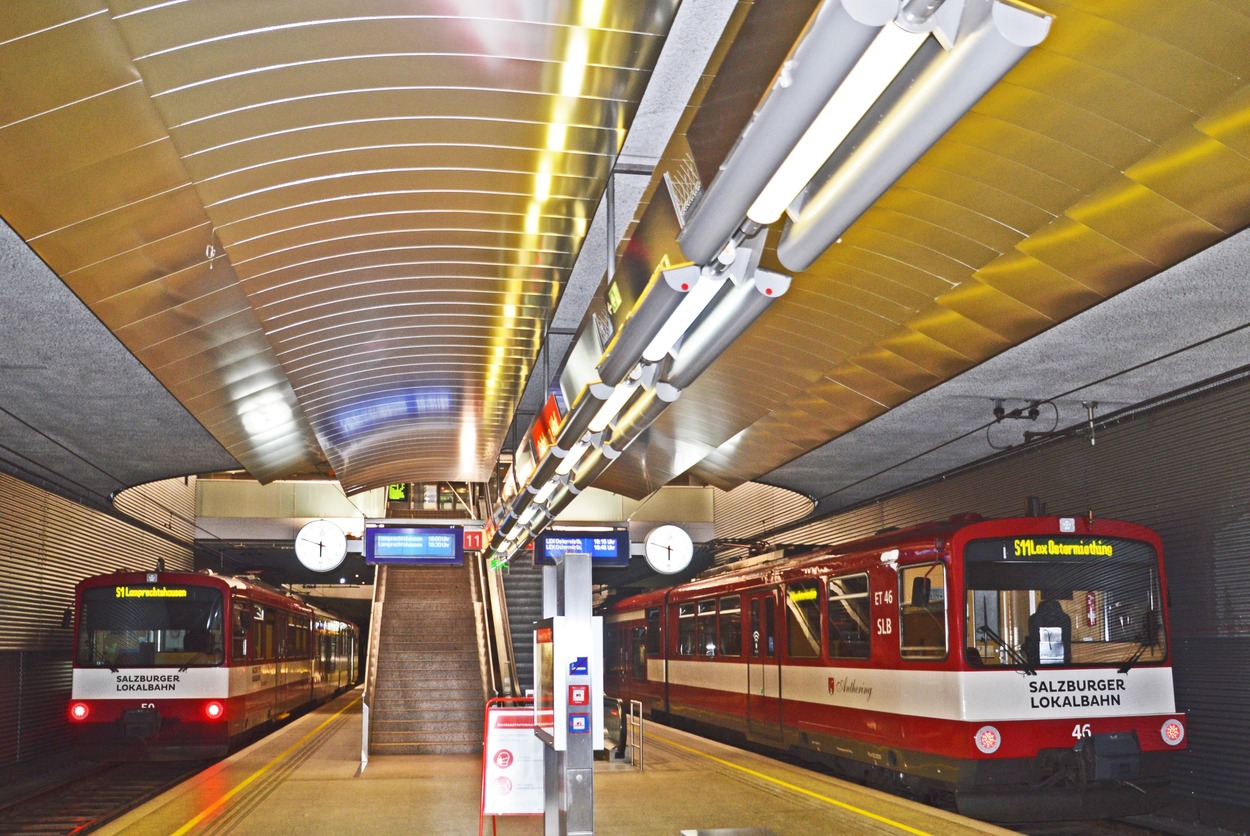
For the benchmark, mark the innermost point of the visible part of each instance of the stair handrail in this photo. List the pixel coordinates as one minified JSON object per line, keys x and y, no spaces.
{"x":371,"y":660}
{"x":503,"y":633}
{"x":486,"y":653}
{"x":498,"y":637}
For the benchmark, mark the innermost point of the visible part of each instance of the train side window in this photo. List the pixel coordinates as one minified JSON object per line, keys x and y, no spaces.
{"x":770,"y":626}
{"x":262,"y":635}
{"x":705,"y":629}
{"x":922,"y":611}
{"x":803,"y":619}
{"x":638,"y":660}
{"x":686,"y":630}
{"x":849,"y":636}
{"x":241,"y":626}
{"x":755,"y":627}
{"x":612,"y":660}
{"x":730,"y":625}
{"x":653,"y":632}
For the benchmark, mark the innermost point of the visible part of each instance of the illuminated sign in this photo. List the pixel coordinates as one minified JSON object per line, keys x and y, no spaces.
{"x":605,"y":547}
{"x":148,"y":592}
{"x":1041,"y":548}
{"x":414,"y":546}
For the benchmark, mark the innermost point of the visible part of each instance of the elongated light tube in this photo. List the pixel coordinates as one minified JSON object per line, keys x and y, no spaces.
{"x":880,"y":64}
{"x":688,"y":311}
{"x":611,"y":406}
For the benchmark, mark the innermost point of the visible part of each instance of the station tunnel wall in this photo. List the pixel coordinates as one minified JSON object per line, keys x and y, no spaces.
{"x":1182,"y":469}
{"x":47,"y":545}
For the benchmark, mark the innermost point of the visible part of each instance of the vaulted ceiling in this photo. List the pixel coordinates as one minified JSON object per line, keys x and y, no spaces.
{"x":360,"y":237}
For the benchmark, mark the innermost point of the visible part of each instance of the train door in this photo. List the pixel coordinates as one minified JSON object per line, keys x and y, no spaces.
{"x":763,"y":666}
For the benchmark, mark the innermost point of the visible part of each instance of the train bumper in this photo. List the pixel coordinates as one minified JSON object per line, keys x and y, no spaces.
{"x":1095,"y":801}
{"x":144,"y":735}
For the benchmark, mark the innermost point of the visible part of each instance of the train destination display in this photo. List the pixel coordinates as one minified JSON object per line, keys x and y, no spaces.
{"x":606,"y":547}
{"x":414,"y":546}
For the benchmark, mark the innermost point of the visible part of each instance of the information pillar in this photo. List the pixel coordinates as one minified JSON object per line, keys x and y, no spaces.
{"x":568,"y":657}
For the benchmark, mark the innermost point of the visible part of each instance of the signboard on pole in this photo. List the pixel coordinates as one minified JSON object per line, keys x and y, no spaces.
{"x":512,"y":762}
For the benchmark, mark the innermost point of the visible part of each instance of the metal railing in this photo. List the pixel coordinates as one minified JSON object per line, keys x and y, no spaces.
{"x":635,"y":737}
{"x":494,"y":633}
{"x":371,"y":660}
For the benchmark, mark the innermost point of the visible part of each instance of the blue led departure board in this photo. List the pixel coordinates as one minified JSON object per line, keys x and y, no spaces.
{"x":414,"y":546}
{"x":605,"y":547}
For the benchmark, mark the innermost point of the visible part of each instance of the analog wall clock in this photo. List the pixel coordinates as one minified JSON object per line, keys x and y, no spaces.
{"x":321,"y":546}
{"x":668,"y":549}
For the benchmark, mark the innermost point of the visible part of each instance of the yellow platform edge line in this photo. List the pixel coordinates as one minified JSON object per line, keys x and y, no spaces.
{"x":794,"y":788}
{"x":247,"y":781}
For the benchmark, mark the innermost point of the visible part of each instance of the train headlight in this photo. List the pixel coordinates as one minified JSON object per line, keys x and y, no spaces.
{"x":1172,"y":732}
{"x":988,"y":740}
{"x":214,"y":709}
{"x":78,"y":711}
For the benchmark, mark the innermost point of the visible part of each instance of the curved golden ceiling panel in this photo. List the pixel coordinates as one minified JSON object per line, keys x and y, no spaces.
{"x":401,"y":188}
{"x":103,"y":197}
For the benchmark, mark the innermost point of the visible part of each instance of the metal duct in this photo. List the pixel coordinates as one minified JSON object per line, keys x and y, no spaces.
{"x":835,"y":38}
{"x":941,"y":94}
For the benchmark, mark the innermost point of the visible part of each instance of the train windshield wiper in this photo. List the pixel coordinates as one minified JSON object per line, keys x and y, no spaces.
{"x":1148,"y":640}
{"x":1020,"y":662}
{"x":100,"y":659}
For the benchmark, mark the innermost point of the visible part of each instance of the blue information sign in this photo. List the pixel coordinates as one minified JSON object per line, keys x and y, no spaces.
{"x":605,"y":547}
{"x":415,"y":546}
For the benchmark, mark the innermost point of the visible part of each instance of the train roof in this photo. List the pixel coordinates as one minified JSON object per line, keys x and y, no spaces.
{"x":921,"y":541}
{"x":253,"y":587}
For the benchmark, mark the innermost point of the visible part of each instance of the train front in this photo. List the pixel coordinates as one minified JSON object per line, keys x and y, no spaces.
{"x":1067,"y":693}
{"x":150,"y":677}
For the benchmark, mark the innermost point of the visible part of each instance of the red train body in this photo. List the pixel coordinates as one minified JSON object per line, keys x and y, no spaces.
{"x":1020,"y":667}
{"x":180,"y":665}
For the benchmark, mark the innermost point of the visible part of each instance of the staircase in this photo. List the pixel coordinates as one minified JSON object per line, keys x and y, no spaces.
{"x":428,"y":690}
{"x":523,"y":586}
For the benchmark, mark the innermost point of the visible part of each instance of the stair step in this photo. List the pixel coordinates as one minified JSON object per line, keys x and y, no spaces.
{"x":428,"y":689}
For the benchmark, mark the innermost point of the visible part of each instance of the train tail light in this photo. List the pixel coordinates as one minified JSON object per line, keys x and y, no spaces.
{"x":214,"y":709}
{"x":1173,"y":732}
{"x":79,"y":711}
{"x":988,"y":739}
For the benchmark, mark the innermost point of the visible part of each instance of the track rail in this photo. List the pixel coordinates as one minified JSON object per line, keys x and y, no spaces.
{"x":87,"y":801}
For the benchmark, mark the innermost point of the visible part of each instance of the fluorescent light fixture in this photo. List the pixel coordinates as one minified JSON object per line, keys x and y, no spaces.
{"x":545,"y":492}
{"x":993,"y":36}
{"x":880,"y":64}
{"x":570,"y":459}
{"x":687,"y":312}
{"x":670,"y":286}
{"x":740,"y":307}
{"x":611,"y":406}
{"x":836,"y":36}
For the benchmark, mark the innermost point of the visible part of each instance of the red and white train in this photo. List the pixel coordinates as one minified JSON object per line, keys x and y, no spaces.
{"x":180,"y":665}
{"x":1019,"y":667}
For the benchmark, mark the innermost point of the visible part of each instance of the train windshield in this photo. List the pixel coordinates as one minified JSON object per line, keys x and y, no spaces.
{"x":150,"y":626}
{"x":1066,"y":600}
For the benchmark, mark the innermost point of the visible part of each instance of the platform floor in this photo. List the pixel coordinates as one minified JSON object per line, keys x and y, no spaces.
{"x":305,"y":780}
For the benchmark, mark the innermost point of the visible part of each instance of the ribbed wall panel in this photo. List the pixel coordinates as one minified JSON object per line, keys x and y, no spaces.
{"x":34,"y":692}
{"x":10,"y":707}
{"x":48,"y":544}
{"x":753,"y":507}
{"x":168,"y":505}
{"x":1182,"y":470}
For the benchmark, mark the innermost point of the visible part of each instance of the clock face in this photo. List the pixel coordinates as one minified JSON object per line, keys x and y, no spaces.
{"x":668,"y":549}
{"x":321,"y":545}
